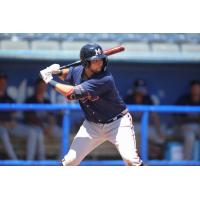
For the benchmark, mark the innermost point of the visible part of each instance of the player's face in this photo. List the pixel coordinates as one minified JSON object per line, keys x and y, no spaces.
{"x":96,"y":65}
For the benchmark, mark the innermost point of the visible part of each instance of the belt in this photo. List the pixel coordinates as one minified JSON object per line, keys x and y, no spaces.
{"x":124,"y":112}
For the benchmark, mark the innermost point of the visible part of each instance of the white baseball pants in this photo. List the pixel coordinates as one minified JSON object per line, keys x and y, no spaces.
{"x":91,"y":135}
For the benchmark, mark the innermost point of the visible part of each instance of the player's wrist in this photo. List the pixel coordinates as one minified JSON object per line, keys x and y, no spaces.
{"x":52,"y":83}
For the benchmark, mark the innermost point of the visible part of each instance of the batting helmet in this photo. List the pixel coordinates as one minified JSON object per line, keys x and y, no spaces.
{"x":91,"y":52}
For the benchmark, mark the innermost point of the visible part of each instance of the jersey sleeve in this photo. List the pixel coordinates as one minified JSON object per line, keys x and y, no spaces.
{"x":69,"y":77}
{"x":97,"y":87}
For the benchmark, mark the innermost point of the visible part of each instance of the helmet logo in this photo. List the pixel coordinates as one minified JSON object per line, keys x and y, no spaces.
{"x":98,"y":51}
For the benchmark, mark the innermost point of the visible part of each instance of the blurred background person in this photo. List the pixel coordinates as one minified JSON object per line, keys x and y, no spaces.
{"x":10,"y":125}
{"x":5,"y":118}
{"x":188,"y":124}
{"x":140,"y":96}
{"x":43,"y":122}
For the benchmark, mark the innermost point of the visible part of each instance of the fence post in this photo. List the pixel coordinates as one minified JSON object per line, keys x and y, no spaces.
{"x":65,"y":133}
{"x":144,"y":137}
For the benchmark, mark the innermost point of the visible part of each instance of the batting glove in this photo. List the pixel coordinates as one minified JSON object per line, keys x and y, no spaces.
{"x":46,"y":75}
{"x":54,"y":69}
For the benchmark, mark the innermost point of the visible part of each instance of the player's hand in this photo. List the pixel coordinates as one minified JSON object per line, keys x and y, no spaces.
{"x":54,"y":69}
{"x":46,"y":75}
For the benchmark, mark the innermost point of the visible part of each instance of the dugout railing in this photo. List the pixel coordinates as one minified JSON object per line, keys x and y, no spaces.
{"x":66,"y":131}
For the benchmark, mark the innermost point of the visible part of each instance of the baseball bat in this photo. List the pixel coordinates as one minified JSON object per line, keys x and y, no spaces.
{"x":107,"y":52}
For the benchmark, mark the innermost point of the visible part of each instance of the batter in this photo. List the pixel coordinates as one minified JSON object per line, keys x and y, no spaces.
{"x":106,"y":115}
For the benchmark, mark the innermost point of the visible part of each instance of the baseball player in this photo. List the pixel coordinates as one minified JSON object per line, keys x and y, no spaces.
{"x":106,"y":115}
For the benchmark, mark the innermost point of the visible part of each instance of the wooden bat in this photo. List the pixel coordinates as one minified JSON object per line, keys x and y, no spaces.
{"x":107,"y":52}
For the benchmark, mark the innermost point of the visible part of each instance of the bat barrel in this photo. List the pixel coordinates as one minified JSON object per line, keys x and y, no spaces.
{"x":114,"y":50}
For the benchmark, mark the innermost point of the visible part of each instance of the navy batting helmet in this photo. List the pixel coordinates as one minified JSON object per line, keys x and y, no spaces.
{"x":91,"y":52}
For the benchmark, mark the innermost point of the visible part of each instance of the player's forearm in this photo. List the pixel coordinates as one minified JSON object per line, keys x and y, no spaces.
{"x":46,"y":75}
{"x":63,"y":89}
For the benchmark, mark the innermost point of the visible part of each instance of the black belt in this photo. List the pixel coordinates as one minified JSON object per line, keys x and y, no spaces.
{"x":124,"y":112}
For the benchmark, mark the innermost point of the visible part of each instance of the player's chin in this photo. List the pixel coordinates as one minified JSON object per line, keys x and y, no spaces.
{"x":97,"y":70}
{"x":100,"y":69}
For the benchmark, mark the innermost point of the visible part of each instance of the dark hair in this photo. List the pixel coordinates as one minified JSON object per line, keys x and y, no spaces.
{"x":4,"y":76}
{"x":194,"y":82}
{"x":139,"y":83}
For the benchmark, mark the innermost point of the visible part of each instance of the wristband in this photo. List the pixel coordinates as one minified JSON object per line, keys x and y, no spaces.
{"x":52,"y":83}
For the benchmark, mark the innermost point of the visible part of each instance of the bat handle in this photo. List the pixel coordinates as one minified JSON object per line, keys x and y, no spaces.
{"x":71,"y":65}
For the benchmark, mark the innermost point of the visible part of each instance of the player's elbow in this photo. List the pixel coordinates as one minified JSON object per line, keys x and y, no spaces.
{"x":76,"y":93}
{"x":69,"y":92}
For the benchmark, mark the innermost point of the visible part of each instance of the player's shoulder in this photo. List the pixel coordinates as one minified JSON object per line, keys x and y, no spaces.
{"x":75,"y":70}
{"x":105,"y":75}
